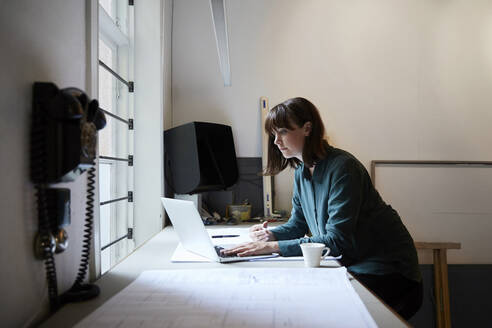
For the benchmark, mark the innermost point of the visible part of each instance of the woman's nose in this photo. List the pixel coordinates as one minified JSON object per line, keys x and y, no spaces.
{"x":276,"y":139}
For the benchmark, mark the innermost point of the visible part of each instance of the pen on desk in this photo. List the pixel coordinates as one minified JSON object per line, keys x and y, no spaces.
{"x":225,"y":236}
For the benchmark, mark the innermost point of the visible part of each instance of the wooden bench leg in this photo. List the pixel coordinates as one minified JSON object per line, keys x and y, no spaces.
{"x":441,"y":289}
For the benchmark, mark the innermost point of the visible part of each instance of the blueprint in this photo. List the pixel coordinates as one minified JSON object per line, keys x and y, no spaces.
{"x":256,"y":297}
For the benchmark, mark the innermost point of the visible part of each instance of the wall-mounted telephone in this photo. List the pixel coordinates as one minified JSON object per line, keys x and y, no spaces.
{"x":63,"y":145}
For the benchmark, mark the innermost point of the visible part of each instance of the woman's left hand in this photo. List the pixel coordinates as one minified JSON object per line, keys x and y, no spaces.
{"x":254,"y":248}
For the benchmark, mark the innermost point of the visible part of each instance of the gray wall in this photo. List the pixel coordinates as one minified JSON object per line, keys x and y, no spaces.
{"x":41,"y":41}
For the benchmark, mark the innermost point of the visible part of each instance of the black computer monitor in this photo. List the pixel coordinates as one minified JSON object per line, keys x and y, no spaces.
{"x":199,"y":157}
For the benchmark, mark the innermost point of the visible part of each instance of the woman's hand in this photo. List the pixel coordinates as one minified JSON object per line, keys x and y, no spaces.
{"x":253,"y":248}
{"x":259,"y":232}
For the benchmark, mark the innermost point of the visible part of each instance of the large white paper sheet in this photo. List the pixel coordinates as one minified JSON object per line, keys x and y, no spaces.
{"x":235,"y":298}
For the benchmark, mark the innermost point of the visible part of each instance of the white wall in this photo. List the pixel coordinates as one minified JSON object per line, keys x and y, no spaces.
{"x":393,"y":79}
{"x":443,"y":203}
{"x":167,"y":61}
{"x":150,"y":100}
{"x":41,"y":41}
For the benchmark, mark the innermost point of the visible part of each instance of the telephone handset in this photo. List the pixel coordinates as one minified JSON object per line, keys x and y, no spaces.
{"x":63,"y":146}
{"x":68,"y":121}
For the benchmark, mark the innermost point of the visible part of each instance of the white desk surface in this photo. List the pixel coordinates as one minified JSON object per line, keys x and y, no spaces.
{"x":156,"y":253}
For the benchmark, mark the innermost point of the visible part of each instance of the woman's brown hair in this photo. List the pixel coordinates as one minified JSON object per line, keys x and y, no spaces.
{"x":295,"y":111}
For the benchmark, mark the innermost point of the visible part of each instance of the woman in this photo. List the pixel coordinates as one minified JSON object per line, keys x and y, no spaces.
{"x":334,"y":200}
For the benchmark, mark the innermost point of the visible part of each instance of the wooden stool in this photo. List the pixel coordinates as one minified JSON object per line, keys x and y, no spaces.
{"x":441,"y":286}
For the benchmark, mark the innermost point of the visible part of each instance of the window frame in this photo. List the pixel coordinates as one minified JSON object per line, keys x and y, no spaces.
{"x":108,"y":31}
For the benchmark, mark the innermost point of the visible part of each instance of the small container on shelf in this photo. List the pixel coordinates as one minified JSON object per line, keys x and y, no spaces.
{"x":239,"y":212}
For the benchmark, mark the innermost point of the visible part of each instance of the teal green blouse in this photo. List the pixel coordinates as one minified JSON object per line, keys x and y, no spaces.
{"x":340,"y":207}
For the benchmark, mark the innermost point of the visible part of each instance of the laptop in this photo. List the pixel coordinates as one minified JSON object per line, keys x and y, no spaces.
{"x":188,"y":224}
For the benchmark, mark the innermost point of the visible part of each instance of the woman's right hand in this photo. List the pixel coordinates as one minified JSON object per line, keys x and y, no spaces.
{"x":259,"y":232}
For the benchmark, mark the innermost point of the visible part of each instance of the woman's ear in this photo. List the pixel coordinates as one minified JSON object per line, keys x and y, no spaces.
{"x":307,"y":128}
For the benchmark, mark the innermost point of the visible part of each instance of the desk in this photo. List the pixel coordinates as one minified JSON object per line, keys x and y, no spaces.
{"x":155,"y":255}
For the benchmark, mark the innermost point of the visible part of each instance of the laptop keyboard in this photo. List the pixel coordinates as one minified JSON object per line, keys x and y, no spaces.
{"x":220,"y":254}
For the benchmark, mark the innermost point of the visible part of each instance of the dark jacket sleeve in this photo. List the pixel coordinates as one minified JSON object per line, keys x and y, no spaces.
{"x":296,"y":227}
{"x":344,"y":203}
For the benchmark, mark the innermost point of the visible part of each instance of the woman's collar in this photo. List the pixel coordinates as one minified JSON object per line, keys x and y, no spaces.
{"x":317,"y":166}
{"x":307,"y":174}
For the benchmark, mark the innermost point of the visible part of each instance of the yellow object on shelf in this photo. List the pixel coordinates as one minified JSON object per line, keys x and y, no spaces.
{"x":239,"y":212}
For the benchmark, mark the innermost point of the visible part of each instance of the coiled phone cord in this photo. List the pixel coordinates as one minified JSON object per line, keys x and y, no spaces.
{"x":48,"y":254}
{"x":38,"y":173}
{"x":89,"y":218}
{"x":79,"y":291}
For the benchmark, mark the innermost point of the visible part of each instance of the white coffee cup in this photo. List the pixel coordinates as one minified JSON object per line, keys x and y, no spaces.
{"x":313,"y":254}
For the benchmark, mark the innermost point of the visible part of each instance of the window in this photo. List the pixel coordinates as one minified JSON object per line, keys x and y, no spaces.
{"x":115,"y":96}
